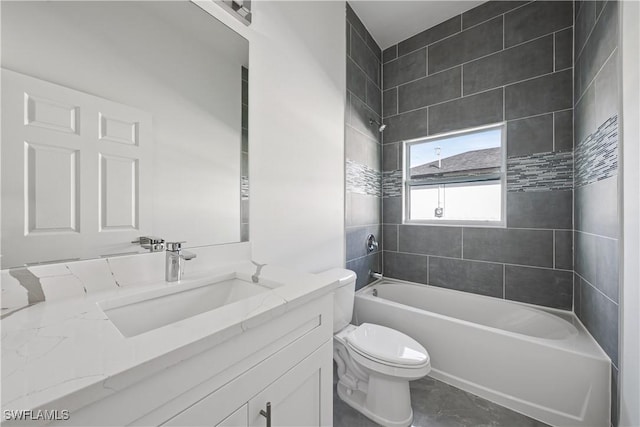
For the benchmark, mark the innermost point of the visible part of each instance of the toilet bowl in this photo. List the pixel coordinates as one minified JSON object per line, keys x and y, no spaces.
{"x":375,"y":363}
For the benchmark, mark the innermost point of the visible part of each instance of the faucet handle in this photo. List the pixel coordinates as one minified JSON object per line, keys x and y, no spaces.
{"x":174,"y":246}
{"x":153,"y":243}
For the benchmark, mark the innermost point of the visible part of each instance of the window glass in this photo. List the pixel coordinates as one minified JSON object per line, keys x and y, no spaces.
{"x":470,"y":154}
{"x":457,"y":178}
{"x":458,"y":202}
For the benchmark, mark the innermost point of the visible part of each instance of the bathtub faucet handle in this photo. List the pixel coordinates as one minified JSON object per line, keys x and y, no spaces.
{"x":372,"y":243}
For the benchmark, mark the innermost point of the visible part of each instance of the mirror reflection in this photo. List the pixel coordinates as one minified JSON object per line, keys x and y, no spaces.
{"x":120,"y":120}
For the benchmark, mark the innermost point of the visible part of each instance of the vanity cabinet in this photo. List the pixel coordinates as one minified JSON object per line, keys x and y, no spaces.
{"x":239,"y":418}
{"x":295,"y":397}
{"x":285,"y":359}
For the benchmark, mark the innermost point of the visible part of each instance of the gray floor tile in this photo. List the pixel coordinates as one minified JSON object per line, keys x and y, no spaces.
{"x":436,"y":404}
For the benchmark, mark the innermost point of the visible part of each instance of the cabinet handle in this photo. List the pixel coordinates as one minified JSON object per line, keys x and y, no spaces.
{"x":267,"y":414}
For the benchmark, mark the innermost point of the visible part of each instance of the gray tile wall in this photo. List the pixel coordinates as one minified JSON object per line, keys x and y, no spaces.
{"x":363,"y":149}
{"x":596,"y":201}
{"x":501,"y":61}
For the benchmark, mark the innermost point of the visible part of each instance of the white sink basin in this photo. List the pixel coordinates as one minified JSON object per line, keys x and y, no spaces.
{"x":144,"y":312}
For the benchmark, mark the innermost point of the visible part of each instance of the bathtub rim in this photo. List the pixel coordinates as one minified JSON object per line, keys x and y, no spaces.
{"x":596,"y":352}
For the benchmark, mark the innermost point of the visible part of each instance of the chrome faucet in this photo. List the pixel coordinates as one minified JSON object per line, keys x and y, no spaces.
{"x":174,"y":267}
{"x":152,"y":243}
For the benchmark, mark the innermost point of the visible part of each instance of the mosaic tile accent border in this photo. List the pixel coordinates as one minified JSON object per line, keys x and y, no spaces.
{"x":597,"y":155}
{"x":244,"y":188}
{"x":392,"y":183}
{"x":362,"y":179}
{"x":537,"y":172}
{"x":540,"y":172}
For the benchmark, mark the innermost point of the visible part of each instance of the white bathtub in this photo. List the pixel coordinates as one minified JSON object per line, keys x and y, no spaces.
{"x":539,"y":362}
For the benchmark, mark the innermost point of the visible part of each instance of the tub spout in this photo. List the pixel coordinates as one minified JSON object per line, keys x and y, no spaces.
{"x":374,"y":275}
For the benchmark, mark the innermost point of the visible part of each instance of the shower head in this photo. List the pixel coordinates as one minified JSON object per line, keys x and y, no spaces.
{"x":381,"y":126}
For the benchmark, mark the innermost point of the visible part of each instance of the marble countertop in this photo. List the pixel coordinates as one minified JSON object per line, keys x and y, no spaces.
{"x":55,"y":349}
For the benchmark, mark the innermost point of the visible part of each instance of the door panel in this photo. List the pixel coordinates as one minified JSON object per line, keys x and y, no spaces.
{"x":51,"y":189}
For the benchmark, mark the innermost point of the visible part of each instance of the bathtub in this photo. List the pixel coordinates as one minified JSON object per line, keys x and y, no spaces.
{"x":539,"y":362}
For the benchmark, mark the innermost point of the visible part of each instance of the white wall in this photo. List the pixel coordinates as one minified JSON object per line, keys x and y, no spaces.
{"x":297,"y":98}
{"x":630,"y":342}
{"x":297,"y":92}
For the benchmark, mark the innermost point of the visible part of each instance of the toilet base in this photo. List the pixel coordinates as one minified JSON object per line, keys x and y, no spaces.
{"x":358,"y":401}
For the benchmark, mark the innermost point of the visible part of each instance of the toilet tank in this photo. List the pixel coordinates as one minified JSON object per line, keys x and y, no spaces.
{"x":343,"y":296}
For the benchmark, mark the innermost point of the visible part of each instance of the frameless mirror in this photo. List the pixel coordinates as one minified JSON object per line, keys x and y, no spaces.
{"x":120,"y":120}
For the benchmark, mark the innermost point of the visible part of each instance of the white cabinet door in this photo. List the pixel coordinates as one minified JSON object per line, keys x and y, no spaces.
{"x":238,"y":419}
{"x":301,"y":397}
{"x":76,"y":172}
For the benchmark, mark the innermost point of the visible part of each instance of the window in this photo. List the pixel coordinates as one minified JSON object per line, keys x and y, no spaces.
{"x":458,"y":178}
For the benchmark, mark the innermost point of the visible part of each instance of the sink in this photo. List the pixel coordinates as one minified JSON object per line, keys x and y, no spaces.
{"x":136,"y":314}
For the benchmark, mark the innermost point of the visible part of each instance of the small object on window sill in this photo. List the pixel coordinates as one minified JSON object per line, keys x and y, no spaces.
{"x":439,"y":212}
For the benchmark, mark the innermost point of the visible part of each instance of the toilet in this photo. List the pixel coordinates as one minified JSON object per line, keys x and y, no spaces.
{"x":375,"y":363}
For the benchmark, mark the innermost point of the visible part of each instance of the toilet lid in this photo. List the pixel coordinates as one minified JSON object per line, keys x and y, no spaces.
{"x":387,"y":345}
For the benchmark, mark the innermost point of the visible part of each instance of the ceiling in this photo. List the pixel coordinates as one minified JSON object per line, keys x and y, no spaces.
{"x":391,"y":21}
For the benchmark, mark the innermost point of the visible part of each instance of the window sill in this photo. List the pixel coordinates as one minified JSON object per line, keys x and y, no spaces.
{"x":453,"y":223}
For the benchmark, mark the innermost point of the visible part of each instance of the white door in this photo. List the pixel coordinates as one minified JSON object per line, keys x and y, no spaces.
{"x":76,"y":173}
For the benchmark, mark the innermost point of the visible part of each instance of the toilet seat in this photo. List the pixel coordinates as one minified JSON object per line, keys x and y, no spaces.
{"x":387,"y":346}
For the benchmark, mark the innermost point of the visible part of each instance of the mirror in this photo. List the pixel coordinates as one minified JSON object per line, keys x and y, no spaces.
{"x":120,"y":120}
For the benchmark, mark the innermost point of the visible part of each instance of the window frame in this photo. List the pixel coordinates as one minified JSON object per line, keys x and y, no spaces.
{"x":460,"y":179}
